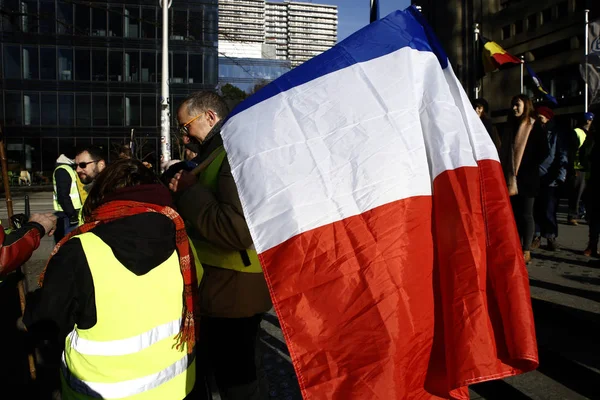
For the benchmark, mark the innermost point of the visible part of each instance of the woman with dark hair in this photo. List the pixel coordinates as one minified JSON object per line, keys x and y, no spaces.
{"x":121,"y":289}
{"x":524,"y":148}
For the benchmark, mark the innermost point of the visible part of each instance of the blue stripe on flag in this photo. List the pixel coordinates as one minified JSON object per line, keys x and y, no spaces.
{"x":399,"y":29}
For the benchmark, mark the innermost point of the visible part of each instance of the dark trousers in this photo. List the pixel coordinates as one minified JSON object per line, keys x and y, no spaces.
{"x":576,"y":194}
{"x":227,"y":350}
{"x":546,"y":203}
{"x":594,"y":217}
{"x":63,"y":226}
{"x":523,"y":211}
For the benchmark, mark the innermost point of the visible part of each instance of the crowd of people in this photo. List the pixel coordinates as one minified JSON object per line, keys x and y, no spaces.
{"x":542,"y":163}
{"x":154,"y":287}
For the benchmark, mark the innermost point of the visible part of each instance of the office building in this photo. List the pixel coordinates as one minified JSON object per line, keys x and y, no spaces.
{"x":246,"y":73}
{"x":312,"y":29}
{"x":549,"y":35}
{"x":77,"y":73}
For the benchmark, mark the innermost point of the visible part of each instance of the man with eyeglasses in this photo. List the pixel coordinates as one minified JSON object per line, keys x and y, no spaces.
{"x":233,"y":292}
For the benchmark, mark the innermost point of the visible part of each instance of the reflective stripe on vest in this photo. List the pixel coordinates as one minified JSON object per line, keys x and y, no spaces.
{"x":74,"y":191}
{"x":581,"y":135}
{"x":130,"y":352}
{"x":209,"y":254}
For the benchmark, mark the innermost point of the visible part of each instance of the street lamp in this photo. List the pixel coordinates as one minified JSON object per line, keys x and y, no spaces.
{"x":165,"y":121}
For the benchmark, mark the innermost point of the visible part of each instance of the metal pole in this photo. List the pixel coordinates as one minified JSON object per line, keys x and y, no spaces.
{"x":522,"y":66}
{"x":476,"y":51}
{"x":9,"y":210}
{"x":165,"y":120}
{"x":587,"y":49}
{"x":374,"y":10}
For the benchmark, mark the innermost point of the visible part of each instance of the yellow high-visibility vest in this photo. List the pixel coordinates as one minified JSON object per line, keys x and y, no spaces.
{"x":74,"y":193}
{"x":209,"y":254}
{"x":581,"y":135}
{"x":130,"y":353}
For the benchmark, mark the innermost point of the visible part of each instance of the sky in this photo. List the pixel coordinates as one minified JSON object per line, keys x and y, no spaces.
{"x":354,"y":14}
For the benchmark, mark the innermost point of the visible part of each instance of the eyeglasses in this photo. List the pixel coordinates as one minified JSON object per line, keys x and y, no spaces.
{"x":184,"y":129}
{"x":83,"y":165}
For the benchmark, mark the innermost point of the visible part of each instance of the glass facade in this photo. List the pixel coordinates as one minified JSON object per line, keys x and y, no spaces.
{"x":74,"y":73}
{"x":245,"y":73}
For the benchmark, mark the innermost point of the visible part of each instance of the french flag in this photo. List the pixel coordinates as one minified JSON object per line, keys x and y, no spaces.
{"x":381,"y":216}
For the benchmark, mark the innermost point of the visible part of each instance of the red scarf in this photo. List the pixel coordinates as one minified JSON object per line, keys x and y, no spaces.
{"x":117,"y":209}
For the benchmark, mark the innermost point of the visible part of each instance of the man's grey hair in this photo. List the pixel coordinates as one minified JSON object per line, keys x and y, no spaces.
{"x":206,"y":100}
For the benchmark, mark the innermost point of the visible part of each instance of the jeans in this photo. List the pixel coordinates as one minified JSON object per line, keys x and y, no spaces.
{"x":546,"y":203}
{"x":523,"y":211}
{"x":577,"y":190}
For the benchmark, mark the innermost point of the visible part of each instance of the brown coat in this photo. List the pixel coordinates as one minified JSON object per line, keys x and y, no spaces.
{"x":218,"y":218}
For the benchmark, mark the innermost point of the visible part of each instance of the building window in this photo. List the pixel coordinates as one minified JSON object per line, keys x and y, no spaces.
{"x":132,"y":110}
{"x":82,"y":19}
{"x":115,"y":21}
{"x":195,"y":68}
{"x":210,"y":69}
{"x":562,"y":9}
{"x":115,"y":110}
{"x":518,"y":27}
{"x":149,"y":23}
{"x":12,"y":62}
{"x":13,"y":108}
{"x":30,"y":63}
{"x":31,"y":108}
{"x":115,"y":66}
{"x":84,"y":110}
{"x":132,"y":22}
{"x":178,"y":67}
{"x":64,"y":16}
{"x":47,"y":17}
{"x":195,"y":26}
{"x":132,"y":66}
{"x":99,"y":110}
{"x":48,"y":63}
{"x":99,"y":65}
{"x":49,"y":109}
{"x":546,"y":16}
{"x":82,"y":65}
{"x":506,"y":32}
{"x":29,"y":13}
{"x":532,"y":23}
{"x":178,"y":24}
{"x":66,"y":110}
{"x":148,"y":67}
{"x":65,"y":64}
{"x":149,"y":111}
{"x":99,"y":20}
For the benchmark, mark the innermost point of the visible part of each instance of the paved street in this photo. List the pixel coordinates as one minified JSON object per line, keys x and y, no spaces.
{"x":565,"y":288}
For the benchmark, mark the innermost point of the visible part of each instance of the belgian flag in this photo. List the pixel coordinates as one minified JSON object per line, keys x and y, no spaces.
{"x":495,"y":57}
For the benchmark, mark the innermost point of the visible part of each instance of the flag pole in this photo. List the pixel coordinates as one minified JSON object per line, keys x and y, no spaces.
{"x":587,"y":49}
{"x":522,"y":66}
{"x":374,"y":10}
{"x":165,"y":119}
{"x":476,"y":50}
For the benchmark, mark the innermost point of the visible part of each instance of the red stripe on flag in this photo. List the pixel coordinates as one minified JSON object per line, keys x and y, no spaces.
{"x":392,"y":305}
{"x":501,"y":59}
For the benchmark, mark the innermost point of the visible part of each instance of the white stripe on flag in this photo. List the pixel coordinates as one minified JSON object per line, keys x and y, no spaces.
{"x":346,"y":143}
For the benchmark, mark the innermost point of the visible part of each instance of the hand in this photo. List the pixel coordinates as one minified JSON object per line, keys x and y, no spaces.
{"x":48,"y":221}
{"x":182,"y":181}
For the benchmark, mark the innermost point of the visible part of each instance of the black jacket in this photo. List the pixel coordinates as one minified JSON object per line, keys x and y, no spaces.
{"x":536,"y":151}
{"x":140,"y":242}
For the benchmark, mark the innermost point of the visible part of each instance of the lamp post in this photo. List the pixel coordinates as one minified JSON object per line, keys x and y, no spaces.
{"x":165,"y":120}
